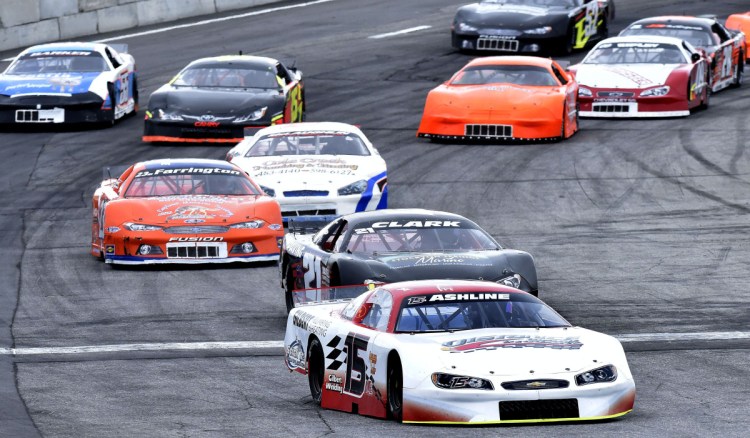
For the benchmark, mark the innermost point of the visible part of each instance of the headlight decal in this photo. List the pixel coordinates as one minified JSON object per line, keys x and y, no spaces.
{"x":451,"y":381}
{"x":607,"y":373}
{"x":131,"y":226}
{"x":367,"y":194}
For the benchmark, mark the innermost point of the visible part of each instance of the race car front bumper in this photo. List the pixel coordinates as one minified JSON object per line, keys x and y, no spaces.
{"x":427,"y":404}
{"x":52,"y":109}
{"x":670,"y":105}
{"x":160,"y":247}
{"x":157,"y":131}
{"x":517,"y":43}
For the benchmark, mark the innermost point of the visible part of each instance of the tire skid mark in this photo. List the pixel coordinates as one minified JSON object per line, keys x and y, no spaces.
{"x":688,"y":146}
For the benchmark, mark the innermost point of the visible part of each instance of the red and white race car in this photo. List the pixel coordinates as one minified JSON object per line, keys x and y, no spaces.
{"x":725,"y":48}
{"x":642,"y":76}
{"x":454,"y":352}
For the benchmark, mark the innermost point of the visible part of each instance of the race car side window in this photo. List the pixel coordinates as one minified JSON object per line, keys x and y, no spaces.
{"x":338,"y":245}
{"x":560,"y":76}
{"x":112,"y":58}
{"x":351,"y":309}
{"x":379,"y":313}
{"x":719,"y":30}
{"x":283,"y":73}
{"x":327,"y":236}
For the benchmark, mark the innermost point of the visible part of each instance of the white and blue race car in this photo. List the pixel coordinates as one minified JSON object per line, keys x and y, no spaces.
{"x":69,"y":83}
{"x":317,"y":171}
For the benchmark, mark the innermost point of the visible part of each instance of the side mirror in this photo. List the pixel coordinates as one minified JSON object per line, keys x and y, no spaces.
{"x":695,"y":57}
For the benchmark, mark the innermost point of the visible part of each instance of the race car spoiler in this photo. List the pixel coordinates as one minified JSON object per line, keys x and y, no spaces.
{"x":328,"y":295}
{"x":307,"y":224}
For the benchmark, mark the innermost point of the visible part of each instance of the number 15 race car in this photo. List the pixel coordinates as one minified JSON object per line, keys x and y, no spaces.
{"x":455,"y":352}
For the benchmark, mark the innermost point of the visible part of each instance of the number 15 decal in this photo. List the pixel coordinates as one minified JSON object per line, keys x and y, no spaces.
{"x":356,"y":353}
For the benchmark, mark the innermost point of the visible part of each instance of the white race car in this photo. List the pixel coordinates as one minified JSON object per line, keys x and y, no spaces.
{"x":69,"y":83}
{"x":642,"y":76}
{"x":454,"y":351}
{"x":315,"y":170}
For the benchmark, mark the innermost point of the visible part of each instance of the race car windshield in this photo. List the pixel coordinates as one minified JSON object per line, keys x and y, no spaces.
{"x":505,"y":74}
{"x":189,"y":184}
{"x":227,"y":76}
{"x":450,"y":311}
{"x":312,"y":143}
{"x":369,"y":240}
{"x":697,"y":37}
{"x":545,"y":3}
{"x":636,"y":53}
{"x":58,"y":62}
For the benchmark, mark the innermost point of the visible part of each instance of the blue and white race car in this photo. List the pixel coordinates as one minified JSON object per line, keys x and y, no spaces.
{"x":317,"y":171}
{"x":69,"y":83}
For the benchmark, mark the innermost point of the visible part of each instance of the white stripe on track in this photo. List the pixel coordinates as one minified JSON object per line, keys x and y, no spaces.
{"x":398,"y":32}
{"x":248,"y":345}
{"x":209,"y":21}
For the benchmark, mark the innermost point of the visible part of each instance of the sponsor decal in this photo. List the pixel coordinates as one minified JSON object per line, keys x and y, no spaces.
{"x":306,"y":321}
{"x":480,"y":296}
{"x":298,"y":165}
{"x":510,"y":87}
{"x":413,"y":301}
{"x":410,"y":224}
{"x":468,"y":345}
{"x":373,"y":361}
{"x":177,"y":210}
{"x":402,"y":262}
{"x":308,"y":133}
{"x":196,"y":239}
{"x":109,"y":249}
{"x":194,"y":221}
{"x":113,"y":229}
{"x":668,"y":26}
{"x":188,"y":171}
{"x":295,"y":356}
{"x":206,"y":124}
{"x":59,"y":53}
{"x":334,"y":383}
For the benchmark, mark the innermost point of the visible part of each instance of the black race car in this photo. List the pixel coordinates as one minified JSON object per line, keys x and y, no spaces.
{"x":223,"y":99}
{"x":531,"y":26}
{"x":397,"y":245}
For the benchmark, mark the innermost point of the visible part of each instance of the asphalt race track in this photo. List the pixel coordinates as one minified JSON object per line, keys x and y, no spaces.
{"x":639,"y":229}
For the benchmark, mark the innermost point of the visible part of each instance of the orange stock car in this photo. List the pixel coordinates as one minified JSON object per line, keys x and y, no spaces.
{"x":740,"y":22}
{"x":503,"y":98}
{"x":184,"y":211}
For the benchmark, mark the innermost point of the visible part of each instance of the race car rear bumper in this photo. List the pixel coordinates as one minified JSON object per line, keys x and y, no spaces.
{"x":451,"y":127}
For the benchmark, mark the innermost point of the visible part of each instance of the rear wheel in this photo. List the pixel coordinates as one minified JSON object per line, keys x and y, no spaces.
{"x":395,"y":390}
{"x":738,"y":72}
{"x":315,"y":370}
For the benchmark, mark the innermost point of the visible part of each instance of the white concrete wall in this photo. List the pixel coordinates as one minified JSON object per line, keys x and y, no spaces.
{"x":24,"y":23}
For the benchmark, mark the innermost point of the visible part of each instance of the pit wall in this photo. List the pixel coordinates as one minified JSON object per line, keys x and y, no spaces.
{"x":25,"y":23}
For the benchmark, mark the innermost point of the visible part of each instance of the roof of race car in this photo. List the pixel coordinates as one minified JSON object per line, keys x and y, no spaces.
{"x":78,"y":46}
{"x":642,"y":39}
{"x":308,"y":126}
{"x":177,"y":163}
{"x":397,"y":214}
{"x":511,"y":60}
{"x":247,"y":60}
{"x":677,"y":19}
{"x":425,"y":287}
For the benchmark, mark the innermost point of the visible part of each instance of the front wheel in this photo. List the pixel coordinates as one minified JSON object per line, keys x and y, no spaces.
{"x":315,"y":370}
{"x":289,"y":289}
{"x":395,"y":390}
{"x":738,"y":73}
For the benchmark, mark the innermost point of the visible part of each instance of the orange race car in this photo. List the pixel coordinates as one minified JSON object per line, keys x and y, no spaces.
{"x":740,"y":22}
{"x":503,"y":98}
{"x":184,"y":211}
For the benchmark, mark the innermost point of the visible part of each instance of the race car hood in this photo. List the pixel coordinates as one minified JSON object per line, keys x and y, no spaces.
{"x":51,"y":83}
{"x":188,"y":209}
{"x":477,"y":103}
{"x":521,"y":352}
{"x":499,"y":15}
{"x":313,"y":172}
{"x":216,"y":101}
{"x":487,"y":265}
{"x":624,"y":75}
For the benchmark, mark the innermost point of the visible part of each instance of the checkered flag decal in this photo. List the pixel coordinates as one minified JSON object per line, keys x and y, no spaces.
{"x":335,"y":353}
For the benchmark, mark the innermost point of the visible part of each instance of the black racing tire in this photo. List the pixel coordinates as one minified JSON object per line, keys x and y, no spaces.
{"x":289,"y":288}
{"x":315,"y":370}
{"x":136,"y":106}
{"x":705,"y":103}
{"x":395,"y":389}
{"x":570,"y":42}
{"x":562,"y":125}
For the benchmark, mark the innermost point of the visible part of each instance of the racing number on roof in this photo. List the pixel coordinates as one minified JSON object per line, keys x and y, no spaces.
{"x":356,"y":353}
{"x":296,"y":104}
